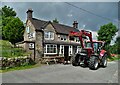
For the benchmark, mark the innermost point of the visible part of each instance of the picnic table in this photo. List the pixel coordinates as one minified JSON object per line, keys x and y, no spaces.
{"x":57,"y":59}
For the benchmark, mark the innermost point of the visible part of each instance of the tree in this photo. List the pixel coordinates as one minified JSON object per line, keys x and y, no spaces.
{"x":12,"y":26}
{"x":14,"y":30}
{"x":118,"y":44}
{"x":7,"y":12}
{"x":55,"y":20}
{"x":106,"y":33}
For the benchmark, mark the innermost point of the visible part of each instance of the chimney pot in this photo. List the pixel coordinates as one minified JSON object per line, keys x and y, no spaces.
{"x":75,"y":24}
{"x":29,"y":13}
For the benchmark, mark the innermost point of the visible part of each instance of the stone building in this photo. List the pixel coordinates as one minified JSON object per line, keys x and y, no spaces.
{"x":48,"y":39}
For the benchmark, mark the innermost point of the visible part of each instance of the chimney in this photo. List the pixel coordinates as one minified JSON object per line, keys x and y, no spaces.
{"x":75,"y":24}
{"x":29,"y":14}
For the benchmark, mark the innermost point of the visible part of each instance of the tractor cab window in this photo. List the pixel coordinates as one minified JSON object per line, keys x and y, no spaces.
{"x":95,"y":45}
{"x":88,"y":45}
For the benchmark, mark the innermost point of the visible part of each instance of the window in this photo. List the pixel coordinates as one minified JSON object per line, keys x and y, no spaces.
{"x":50,"y":49}
{"x":76,"y":39}
{"x":27,"y":29}
{"x":61,"y":52}
{"x":31,"y":45}
{"x":31,"y":35}
{"x":63,"y":37}
{"x":70,"y":50}
{"x":78,"y":49}
{"x":49,"y":35}
{"x":61,"y":49}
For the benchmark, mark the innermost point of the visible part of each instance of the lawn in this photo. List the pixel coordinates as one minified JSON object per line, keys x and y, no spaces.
{"x":8,"y":50}
{"x":20,"y":68}
{"x":117,"y":57}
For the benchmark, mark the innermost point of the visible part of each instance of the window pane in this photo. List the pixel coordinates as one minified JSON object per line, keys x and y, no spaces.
{"x":51,"y":48}
{"x":49,"y":35}
{"x":46,"y":35}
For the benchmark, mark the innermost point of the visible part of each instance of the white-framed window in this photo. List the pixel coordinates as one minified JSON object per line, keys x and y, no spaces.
{"x":31,"y":45}
{"x":27,"y":29}
{"x":61,"y":49}
{"x":49,"y":35}
{"x":31,"y":35}
{"x":77,"y":39}
{"x":70,"y":50}
{"x":63,"y":37}
{"x":50,"y":49}
{"x":78,"y":49}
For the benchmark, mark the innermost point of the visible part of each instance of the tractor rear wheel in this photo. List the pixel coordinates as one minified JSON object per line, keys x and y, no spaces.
{"x":75,"y":60}
{"x":93,"y":62}
{"x":104,"y":61}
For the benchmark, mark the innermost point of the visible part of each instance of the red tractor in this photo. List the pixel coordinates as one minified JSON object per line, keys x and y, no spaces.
{"x":92,"y":53}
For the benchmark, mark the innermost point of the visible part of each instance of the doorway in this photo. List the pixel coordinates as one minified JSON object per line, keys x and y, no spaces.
{"x":66,"y":54}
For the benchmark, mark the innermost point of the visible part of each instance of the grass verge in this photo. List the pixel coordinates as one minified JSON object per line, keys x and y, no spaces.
{"x":20,"y":68}
{"x":114,"y":58}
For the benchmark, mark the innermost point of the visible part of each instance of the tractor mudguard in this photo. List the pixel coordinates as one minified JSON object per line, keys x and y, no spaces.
{"x":102,"y":52}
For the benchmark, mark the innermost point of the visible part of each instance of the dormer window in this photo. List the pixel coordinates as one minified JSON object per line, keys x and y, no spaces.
{"x":49,"y":35}
{"x":31,"y":35}
{"x":77,"y":39}
{"x":63,"y":37}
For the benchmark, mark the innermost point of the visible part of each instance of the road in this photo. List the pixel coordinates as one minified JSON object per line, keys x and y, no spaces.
{"x":63,"y":74}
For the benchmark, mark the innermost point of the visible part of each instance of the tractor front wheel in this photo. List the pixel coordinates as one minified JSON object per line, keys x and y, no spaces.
{"x":104,"y":61}
{"x":93,"y":62}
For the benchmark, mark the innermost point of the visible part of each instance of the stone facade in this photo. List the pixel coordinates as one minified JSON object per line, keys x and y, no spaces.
{"x":45,"y":39}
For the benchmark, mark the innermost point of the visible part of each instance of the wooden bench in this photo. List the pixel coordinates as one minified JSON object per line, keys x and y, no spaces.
{"x":52,"y":59}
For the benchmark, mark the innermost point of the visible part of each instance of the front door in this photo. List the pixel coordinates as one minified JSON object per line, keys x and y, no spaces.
{"x":66,"y":53}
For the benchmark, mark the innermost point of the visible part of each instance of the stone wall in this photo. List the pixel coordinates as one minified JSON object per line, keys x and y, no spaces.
{"x":6,"y":63}
{"x":39,"y":51}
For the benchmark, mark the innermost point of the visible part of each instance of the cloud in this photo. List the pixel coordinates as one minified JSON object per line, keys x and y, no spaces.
{"x":66,"y":14}
{"x":69,"y":15}
{"x":114,"y":39}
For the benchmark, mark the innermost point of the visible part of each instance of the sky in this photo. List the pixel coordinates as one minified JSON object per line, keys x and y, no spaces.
{"x":66,"y":14}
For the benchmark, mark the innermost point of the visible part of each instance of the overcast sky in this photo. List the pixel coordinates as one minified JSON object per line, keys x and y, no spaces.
{"x":66,"y":14}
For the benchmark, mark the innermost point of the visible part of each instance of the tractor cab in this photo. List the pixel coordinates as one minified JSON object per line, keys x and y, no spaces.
{"x":97,"y":45}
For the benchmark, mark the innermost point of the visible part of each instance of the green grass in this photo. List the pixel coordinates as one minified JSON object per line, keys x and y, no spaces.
{"x":20,"y":68}
{"x":114,"y":58}
{"x":8,"y":50}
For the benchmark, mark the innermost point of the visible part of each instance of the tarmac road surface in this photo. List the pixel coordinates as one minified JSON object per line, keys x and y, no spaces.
{"x":60,"y":73}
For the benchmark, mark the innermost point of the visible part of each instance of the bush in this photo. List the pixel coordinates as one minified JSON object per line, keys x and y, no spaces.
{"x":7,"y":63}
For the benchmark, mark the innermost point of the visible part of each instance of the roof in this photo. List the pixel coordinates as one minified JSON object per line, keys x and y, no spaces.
{"x":60,"y":28}
{"x":38,"y":23}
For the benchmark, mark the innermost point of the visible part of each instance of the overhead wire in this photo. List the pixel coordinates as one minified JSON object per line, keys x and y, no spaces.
{"x":91,"y":12}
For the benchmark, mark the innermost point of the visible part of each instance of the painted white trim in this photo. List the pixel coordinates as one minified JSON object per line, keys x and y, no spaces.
{"x":49,"y":33}
{"x":70,"y":50}
{"x":45,"y":50}
{"x":78,"y":49}
{"x":31,"y":45}
{"x":61,"y":47}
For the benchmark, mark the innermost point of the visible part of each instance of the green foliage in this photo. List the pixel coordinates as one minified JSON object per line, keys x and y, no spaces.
{"x":113,"y":49}
{"x":14,"y":30}
{"x":7,"y":11}
{"x":12,"y":26}
{"x":22,"y":67}
{"x":114,"y":58}
{"x":7,"y":50}
{"x":106,"y":33}
{"x":55,"y":20}
{"x":118,"y":44}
